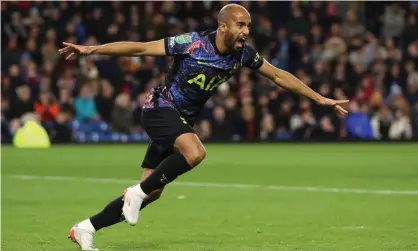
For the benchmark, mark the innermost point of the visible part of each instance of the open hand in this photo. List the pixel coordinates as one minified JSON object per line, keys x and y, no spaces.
{"x":336,"y":104}
{"x":72,"y":50}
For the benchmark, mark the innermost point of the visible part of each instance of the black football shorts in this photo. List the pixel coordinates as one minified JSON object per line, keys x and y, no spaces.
{"x":163,"y":125}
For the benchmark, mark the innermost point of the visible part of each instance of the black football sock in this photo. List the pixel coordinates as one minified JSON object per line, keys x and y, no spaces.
{"x":111,"y":214}
{"x":167,"y":171}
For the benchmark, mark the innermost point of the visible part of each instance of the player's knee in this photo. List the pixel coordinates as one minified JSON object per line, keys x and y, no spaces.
{"x":191,"y":148}
{"x":195,"y":156}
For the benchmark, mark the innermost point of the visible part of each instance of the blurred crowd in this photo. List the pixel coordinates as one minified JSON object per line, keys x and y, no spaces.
{"x":363,"y":51}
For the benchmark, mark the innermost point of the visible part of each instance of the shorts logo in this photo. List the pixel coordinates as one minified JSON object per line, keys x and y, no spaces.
{"x":183,"y":120}
{"x":182,"y":39}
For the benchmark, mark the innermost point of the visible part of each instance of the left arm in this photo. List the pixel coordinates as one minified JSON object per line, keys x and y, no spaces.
{"x":288,"y":81}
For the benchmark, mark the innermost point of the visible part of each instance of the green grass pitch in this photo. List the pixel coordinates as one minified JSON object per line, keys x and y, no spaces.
{"x":258,"y":197}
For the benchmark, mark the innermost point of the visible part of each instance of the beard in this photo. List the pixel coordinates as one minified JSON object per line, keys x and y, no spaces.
{"x":230,"y":41}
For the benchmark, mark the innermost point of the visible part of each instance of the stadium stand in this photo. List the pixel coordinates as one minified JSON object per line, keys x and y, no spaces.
{"x":364,"y":51}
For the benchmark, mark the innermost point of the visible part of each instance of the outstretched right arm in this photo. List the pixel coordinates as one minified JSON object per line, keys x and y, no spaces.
{"x":169,"y":46}
{"x":154,"y":48}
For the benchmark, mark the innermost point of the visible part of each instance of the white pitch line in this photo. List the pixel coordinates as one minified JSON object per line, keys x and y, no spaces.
{"x":220,"y":185}
{"x":351,"y":227}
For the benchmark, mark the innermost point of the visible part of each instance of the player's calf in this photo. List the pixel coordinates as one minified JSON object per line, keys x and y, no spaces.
{"x":154,"y":196}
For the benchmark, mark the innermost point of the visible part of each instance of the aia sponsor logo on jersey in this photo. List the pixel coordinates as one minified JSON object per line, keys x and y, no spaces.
{"x":194,"y":46}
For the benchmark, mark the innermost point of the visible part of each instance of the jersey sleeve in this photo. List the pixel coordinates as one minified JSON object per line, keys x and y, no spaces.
{"x":251,"y":58}
{"x":179,"y":44}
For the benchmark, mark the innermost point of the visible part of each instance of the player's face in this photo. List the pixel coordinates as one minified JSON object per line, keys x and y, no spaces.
{"x":237,"y":32}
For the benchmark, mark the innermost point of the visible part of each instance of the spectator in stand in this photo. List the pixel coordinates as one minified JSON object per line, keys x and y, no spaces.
{"x":46,"y":107}
{"x":248,"y":126}
{"x":351,"y":28}
{"x":22,"y":104}
{"x":358,"y":124}
{"x":267,"y":128}
{"x":393,"y":21}
{"x":122,"y":118}
{"x":307,"y":123}
{"x":66,"y":101}
{"x":85,"y":108}
{"x":204,"y":130}
{"x":60,"y":132}
{"x":105,"y":100}
{"x":5,"y":119}
{"x":325,"y":131}
{"x":221,"y":125}
{"x":401,"y":126}
{"x":381,"y":122}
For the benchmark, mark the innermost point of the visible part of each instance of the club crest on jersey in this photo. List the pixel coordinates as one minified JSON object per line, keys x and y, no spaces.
{"x":194,"y":46}
{"x":182,"y":39}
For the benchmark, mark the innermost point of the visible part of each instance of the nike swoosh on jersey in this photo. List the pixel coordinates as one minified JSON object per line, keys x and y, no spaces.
{"x":200,"y":62}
